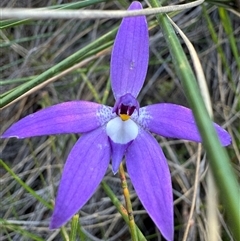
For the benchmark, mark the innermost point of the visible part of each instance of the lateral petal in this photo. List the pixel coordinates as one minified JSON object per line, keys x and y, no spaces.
{"x":82,"y":173}
{"x":130,"y":55}
{"x":67,"y":117}
{"x":175,"y":121}
{"x":150,"y":176}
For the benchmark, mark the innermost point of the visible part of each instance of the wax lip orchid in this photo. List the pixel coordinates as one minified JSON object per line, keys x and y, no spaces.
{"x":112,"y":133}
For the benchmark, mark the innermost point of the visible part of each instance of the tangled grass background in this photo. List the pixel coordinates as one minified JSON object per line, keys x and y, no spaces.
{"x":31,"y":47}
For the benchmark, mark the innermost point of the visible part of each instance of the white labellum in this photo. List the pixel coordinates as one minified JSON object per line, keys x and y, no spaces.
{"x":120,"y":131}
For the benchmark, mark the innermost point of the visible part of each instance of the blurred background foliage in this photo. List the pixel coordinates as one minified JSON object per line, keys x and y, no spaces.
{"x":30,"y":48}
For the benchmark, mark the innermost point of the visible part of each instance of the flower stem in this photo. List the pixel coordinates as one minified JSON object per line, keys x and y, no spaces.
{"x":128,"y":203}
{"x":74,"y":227}
{"x":121,"y":209}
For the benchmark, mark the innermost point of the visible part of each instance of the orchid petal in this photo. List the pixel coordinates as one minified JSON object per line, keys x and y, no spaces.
{"x":118,"y":151}
{"x":67,"y":117}
{"x":150,"y":176}
{"x":130,"y":54}
{"x":175,"y":121}
{"x":83,"y":171}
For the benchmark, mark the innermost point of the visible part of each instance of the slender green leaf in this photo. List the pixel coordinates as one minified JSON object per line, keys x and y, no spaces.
{"x":24,"y":185}
{"x":226,"y":22}
{"x":218,"y":158}
{"x":216,"y":41}
{"x":74,"y":227}
{"x":92,"y":48}
{"x":81,"y":4}
{"x":20,"y":230}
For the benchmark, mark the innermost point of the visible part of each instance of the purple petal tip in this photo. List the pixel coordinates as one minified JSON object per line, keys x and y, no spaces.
{"x":224,"y":137}
{"x":135,"y":5}
{"x":57,"y":221}
{"x":129,"y":60}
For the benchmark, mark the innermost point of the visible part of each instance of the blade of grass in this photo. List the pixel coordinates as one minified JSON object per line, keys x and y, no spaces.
{"x":22,"y":40}
{"x":215,"y":40}
{"x":226,"y":22}
{"x":77,"y":5}
{"x":218,"y":158}
{"x":18,"y":229}
{"x":91,"y":88}
{"x":74,"y":227}
{"x":106,"y":92}
{"x":198,"y":69}
{"x":75,"y":67}
{"x":69,"y":61}
{"x":81,"y":4}
{"x":81,"y":234}
{"x":15,"y":81}
{"x":64,"y":234}
{"x":226,"y":3}
{"x":24,"y":185}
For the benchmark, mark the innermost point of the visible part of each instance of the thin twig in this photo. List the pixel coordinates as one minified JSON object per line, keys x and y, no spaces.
{"x":34,"y":13}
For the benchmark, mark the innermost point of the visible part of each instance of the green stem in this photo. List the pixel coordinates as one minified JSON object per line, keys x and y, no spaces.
{"x":128,"y":203}
{"x":218,"y":158}
{"x":121,"y":209}
{"x":74,"y":227}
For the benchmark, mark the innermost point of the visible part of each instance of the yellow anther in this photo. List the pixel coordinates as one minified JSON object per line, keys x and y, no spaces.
{"x":124,"y":117}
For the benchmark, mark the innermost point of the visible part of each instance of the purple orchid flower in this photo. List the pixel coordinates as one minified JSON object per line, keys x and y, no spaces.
{"x":112,"y":133}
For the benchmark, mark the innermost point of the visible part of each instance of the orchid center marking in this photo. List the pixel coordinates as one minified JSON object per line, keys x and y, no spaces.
{"x":125,"y":106}
{"x":122,"y":129}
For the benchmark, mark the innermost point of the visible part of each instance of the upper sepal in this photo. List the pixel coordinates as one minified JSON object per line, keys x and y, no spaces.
{"x":129,"y":60}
